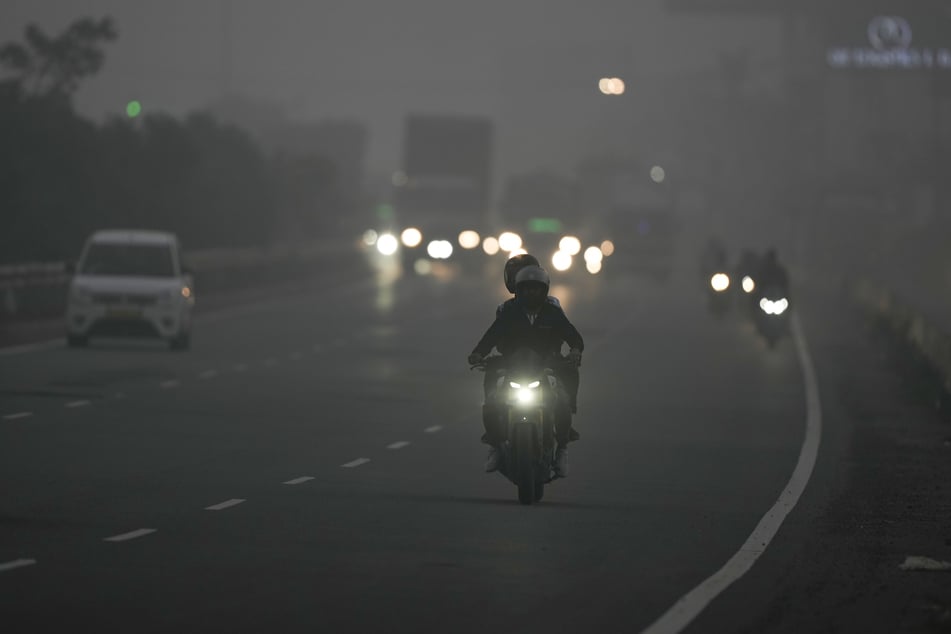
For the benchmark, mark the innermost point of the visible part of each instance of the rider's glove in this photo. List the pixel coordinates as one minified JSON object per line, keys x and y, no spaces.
{"x":475,"y":358}
{"x":574,"y":355}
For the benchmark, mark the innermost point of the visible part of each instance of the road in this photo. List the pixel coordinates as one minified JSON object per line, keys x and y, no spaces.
{"x":313,"y":464}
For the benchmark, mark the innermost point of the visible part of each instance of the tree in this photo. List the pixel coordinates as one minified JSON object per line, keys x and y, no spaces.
{"x":53,"y":66}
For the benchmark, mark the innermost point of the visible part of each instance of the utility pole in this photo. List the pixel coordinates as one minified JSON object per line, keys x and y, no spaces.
{"x":226,"y":53}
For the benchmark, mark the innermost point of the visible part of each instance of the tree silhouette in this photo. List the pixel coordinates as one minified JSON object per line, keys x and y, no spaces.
{"x":54,"y":65}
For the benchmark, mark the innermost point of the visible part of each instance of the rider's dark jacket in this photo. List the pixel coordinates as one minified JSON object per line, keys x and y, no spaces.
{"x":512,"y":329}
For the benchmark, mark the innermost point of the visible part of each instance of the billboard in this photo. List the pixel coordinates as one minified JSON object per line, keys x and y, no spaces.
{"x":894,"y":41}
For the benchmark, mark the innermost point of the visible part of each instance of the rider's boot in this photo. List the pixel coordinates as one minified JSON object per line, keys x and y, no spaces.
{"x":561,"y":462}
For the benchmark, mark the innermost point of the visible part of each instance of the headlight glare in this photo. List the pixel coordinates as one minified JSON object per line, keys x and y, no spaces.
{"x":525,"y":395}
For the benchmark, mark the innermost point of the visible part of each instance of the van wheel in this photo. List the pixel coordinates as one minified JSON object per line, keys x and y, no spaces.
{"x":181,"y":341}
{"x":77,"y":341}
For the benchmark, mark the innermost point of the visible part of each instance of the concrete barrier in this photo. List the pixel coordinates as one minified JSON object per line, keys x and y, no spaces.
{"x":927,"y":340}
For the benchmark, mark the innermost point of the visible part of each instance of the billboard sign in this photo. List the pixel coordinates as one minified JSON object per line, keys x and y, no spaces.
{"x":890,"y":44}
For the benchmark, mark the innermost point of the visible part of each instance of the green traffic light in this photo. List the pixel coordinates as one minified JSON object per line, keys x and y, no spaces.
{"x":133,"y":109}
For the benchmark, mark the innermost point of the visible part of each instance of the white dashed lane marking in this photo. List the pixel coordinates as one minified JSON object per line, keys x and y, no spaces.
{"x":171,"y":383}
{"x":398,"y":445}
{"x":300,"y":480}
{"x":124,"y":537}
{"x":77,"y":404}
{"x":433,"y":429}
{"x":355,"y":463}
{"x":224,"y":505}
{"x":208,"y":374}
{"x":17,"y":415}
{"x":16,"y":563}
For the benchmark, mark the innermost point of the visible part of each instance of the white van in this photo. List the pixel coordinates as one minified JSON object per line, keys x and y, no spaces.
{"x":130,"y":283}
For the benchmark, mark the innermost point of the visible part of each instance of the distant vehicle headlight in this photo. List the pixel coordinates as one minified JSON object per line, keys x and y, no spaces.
{"x":387,"y":244}
{"x":561,"y":260}
{"x":411,"y":237}
{"x":720,"y":282}
{"x":748,"y":284}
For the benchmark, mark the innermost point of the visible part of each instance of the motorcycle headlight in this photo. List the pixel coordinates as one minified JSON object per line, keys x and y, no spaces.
{"x":720,"y":282}
{"x":777,"y":307}
{"x":525,"y":395}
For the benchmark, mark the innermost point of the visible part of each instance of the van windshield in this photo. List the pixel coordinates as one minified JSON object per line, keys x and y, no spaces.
{"x":150,"y":260}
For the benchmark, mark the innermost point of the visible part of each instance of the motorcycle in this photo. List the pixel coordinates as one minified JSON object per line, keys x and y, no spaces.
{"x":718,"y":298}
{"x":772,"y":314}
{"x":526,"y":394}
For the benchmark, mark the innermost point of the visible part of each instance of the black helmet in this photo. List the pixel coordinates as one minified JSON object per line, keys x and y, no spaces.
{"x":533,"y":273}
{"x":515,"y":264}
{"x":532,"y":276}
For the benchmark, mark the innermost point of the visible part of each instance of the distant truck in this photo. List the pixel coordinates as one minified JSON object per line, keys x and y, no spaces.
{"x":445,"y":185}
{"x":636,"y":210}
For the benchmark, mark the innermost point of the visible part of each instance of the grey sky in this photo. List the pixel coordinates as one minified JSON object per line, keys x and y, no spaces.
{"x":533,"y":65}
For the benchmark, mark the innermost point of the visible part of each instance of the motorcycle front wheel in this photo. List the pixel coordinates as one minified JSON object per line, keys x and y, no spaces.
{"x":525,"y":464}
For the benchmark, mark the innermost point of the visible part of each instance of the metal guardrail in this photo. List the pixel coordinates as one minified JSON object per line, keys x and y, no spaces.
{"x":37,"y":289}
{"x":32,"y":274}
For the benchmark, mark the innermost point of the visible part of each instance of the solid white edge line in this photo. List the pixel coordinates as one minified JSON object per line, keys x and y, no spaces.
{"x":224,"y":505}
{"x":142,"y":532}
{"x":690,"y":605}
{"x":433,"y":429}
{"x":169,"y":384}
{"x":208,"y":374}
{"x":355,"y":463}
{"x":76,"y":404}
{"x":300,"y":480}
{"x":398,"y":444}
{"x":16,"y":563}
{"x":17,"y":415}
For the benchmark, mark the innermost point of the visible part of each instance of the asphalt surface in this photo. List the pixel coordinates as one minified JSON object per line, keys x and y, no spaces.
{"x":313,"y":464}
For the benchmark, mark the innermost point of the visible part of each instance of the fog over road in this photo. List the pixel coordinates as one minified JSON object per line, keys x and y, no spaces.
{"x":314,"y":463}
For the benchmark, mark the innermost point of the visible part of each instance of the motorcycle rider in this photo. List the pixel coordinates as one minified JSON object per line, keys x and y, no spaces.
{"x":531,"y":321}
{"x":772,"y":274}
{"x":567,"y":372}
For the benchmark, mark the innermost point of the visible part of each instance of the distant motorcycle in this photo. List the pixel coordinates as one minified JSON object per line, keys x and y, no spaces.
{"x":527,"y":392}
{"x":772,"y":314}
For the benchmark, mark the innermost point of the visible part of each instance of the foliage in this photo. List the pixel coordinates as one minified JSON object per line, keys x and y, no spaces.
{"x":54,"y":65}
{"x":62,"y":176}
